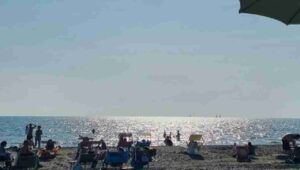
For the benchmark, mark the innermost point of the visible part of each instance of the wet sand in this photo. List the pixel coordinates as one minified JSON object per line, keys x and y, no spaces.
{"x":213,"y":157}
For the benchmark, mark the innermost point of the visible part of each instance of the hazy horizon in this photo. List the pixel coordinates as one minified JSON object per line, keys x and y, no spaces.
{"x":146,"y":58}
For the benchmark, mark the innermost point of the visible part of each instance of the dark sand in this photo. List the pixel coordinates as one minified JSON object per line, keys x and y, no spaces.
{"x":213,"y":157}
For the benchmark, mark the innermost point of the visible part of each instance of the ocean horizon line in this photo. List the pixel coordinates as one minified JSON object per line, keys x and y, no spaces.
{"x":149,"y":116}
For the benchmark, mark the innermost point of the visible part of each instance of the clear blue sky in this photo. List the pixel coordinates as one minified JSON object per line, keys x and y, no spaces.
{"x":146,"y":57}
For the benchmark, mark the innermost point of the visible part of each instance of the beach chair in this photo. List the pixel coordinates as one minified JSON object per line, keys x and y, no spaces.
{"x":116,"y":158}
{"x":144,"y":140}
{"x":26,"y":162}
{"x":141,"y":157}
{"x":242,"y":154}
{"x":86,"y":159}
{"x":195,"y":143}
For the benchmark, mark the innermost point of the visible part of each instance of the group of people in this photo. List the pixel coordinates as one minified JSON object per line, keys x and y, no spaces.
{"x":26,"y":148}
{"x":85,"y":147}
{"x":168,"y":138}
{"x":38,"y":134}
{"x":289,"y":145}
{"x":243,"y":153}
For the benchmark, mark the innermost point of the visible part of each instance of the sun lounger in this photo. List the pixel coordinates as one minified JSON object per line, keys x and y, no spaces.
{"x":116,"y":158}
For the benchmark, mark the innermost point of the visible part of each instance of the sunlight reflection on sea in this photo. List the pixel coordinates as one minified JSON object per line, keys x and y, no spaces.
{"x":216,"y":131}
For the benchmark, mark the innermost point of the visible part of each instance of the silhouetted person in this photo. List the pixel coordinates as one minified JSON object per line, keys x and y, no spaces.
{"x":93,"y":131}
{"x":5,"y":156}
{"x":38,"y":136}
{"x":30,"y":142}
{"x":50,"y":145}
{"x":251,"y":149}
{"x":234,"y":150}
{"x":25,"y":149}
{"x":102,"y":145}
{"x":29,"y":129}
{"x":168,"y":141}
{"x":289,"y":139}
{"x":165,"y":134}
{"x":178,"y":135}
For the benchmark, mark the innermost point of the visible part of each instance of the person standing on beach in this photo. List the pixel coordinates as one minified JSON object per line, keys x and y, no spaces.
{"x":178,"y":136}
{"x":29,"y":130}
{"x":38,"y":136}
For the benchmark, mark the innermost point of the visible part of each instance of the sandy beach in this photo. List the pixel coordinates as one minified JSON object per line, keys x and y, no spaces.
{"x":213,"y":157}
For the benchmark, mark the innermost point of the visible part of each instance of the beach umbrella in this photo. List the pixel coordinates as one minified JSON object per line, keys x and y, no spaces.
{"x":286,"y":11}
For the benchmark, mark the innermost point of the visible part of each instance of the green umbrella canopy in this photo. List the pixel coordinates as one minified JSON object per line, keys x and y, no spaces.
{"x":286,"y":11}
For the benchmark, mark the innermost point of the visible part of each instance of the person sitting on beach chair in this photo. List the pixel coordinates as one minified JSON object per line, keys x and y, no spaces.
{"x":87,"y":158}
{"x":168,"y":141}
{"x":194,"y":145}
{"x":143,"y":143}
{"x":101,"y":149}
{"x":82,"y":146}
{"x":50,"y":150}
{"x":26,"y":158}
{"x":26,"y":161}
{"x":102,"y":145}
{"x":4,"y":155}
{"x":289,"y":141}
{"x":50,"y":145}
{"x":86,"y":155}
{"x":25,"y":149}
{"x":125,"y":140}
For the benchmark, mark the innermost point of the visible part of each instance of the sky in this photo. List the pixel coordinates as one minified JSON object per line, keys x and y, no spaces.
{"x":146,"y":58}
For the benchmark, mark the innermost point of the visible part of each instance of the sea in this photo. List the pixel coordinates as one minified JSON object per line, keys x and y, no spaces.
{"x":216,"y":131}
